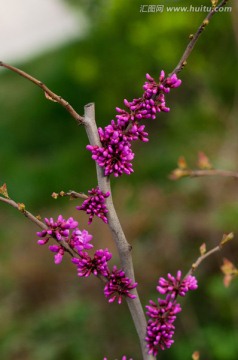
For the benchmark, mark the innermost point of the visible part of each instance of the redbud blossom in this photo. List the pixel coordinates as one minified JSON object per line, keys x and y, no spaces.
{"x":118,"y":285}
{"x":67,"y":231}
{"x":95,"y":205}
{"x":115,"y":154}
{"x":96,"y":265}
{"x":175,"y":285}
{"x":57,"y":229}
{"x":116,"y":159}
{"x":160,"y":328}
{"x":80,"y":240}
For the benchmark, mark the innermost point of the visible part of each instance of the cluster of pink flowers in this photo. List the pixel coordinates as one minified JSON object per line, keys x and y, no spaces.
{"x":175,"y":285}
{"x":95,"y":205}
{"x":58,"y":229}
{"x":96,"y":265}
{"x":65,"y":232}
{"x":118,"y":285}
{"x":160,"y":328}
{"x":115,"y":154}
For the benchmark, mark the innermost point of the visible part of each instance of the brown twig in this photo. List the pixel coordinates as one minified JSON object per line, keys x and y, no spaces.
{"x":72,"y":194}
{"x":21,"y":208}
{"x":225,"y":239}
{"x":194,"y":38}
{"x":180,"y":173}
{"x":213,"y":172}
{"x":50,"y":95}
{"x":201,"y":258}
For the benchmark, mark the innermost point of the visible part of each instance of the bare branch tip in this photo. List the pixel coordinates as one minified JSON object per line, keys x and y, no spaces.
{"x":3,"y":191}
{"x":226,"y":238}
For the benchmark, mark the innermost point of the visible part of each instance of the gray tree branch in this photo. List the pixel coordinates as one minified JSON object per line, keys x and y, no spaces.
{"x":124,"y":248}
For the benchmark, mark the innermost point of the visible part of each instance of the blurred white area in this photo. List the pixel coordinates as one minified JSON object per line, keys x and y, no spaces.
{"x":28,"y":27}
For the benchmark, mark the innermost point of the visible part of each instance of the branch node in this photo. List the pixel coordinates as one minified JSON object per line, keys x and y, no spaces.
{"x":184,"y":63}
{"x":21,"y":207}
{"x":205,"y":23}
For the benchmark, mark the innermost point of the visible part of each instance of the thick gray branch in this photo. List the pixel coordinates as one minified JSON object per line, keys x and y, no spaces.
{"x":124,"y":248}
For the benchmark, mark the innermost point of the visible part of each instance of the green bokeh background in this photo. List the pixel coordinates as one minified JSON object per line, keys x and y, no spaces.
{"x":46,"y":311}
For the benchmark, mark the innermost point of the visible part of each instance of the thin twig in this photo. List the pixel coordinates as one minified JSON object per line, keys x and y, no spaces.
{"x":50,"y":95}
{"x":26,"y":213}
{"x":194,"y":38}
{"x":213,"y":172}
{"x":201,"y":258}
{"x":180,"y":173}
{"x":72,"y":194}
{"x":35,"y":220}
{"x":205,"y":254}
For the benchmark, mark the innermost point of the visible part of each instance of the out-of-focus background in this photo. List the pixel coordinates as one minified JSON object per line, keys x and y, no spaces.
{"x":99,"y":51}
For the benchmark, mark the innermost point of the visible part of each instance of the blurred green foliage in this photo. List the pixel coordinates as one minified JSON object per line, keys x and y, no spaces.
{"x":47,"y":312}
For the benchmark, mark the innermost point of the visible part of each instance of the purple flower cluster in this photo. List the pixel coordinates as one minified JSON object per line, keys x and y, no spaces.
{"x":95,"y":204}
{"x":115,"y":154}
{"x":175,"y":285}
{"x":67,"y":234}
{"x":118,"y":285}
{"x":160,"y":328}
{"x":57,"y":229}
{"x":80,"y":240}
{"x":67,"y":231}
{"x":97,"y":265}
